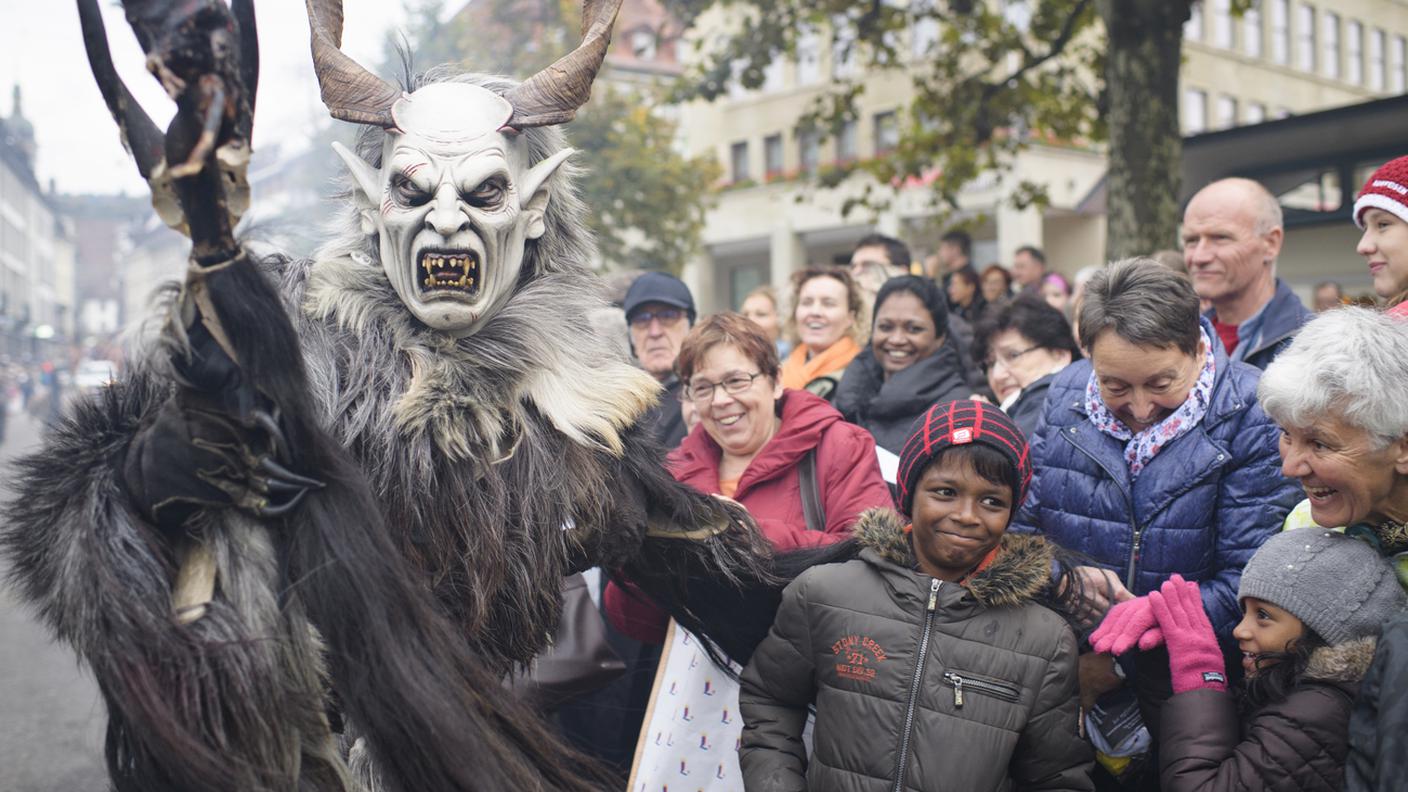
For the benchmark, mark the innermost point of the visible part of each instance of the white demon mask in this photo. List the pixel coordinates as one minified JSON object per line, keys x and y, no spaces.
{"x":455,"y":200}
{"x":453,"y":203}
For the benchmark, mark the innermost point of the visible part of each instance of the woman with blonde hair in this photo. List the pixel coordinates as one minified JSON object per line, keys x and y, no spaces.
{"x":826,"y":319}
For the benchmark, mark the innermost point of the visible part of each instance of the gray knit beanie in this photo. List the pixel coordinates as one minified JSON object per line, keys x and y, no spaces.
{"x":1338,"y":586}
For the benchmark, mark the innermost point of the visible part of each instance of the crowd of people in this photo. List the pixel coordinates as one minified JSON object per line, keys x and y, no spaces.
{"x":1144,"y":531}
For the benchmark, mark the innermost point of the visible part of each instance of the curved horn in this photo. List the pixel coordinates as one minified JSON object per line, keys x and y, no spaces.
{"x":553,"y":95}
{"x":351,"y":92}
{"x":243,"y":12}
{"x":139,"y":132}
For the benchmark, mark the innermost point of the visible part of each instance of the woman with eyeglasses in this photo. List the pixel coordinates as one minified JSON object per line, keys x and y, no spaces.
{"x":911,"y":364}
{"x":1024,"y":344}
{"x":825,"y":321}
{"x":750,"y":441}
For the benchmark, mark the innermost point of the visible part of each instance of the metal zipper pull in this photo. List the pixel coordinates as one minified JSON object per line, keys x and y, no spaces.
{"x":957,"y":690}
{"x":934,"y":594}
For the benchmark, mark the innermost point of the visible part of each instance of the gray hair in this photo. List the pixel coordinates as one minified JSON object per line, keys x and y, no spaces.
{"x":1351,"y":363}
{"x":1144,"y":303}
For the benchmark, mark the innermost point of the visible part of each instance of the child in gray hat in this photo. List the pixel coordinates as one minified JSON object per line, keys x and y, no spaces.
{"x":1313,"y":602}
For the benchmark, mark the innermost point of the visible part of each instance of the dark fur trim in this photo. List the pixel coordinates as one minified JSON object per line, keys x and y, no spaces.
{"x":1021,"y":572}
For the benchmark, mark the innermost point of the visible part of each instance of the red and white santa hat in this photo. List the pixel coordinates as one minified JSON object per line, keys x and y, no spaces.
{"x":1387,"y":189}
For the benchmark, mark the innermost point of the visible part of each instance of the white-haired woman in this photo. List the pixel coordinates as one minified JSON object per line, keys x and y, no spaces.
{"x":1338,"y":393}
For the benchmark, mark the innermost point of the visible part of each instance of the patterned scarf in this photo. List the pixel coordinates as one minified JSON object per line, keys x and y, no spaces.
{"x":1140,"y":448}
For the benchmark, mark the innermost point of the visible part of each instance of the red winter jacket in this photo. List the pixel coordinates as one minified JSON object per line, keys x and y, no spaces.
{"x":848,"y":480}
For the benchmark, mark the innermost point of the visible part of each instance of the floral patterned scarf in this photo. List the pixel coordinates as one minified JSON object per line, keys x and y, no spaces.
{"x":1140,"y":448}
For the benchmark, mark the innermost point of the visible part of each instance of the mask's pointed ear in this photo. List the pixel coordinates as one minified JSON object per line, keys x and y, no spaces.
{"x":534,"y":190}
{"x":366,"y":183}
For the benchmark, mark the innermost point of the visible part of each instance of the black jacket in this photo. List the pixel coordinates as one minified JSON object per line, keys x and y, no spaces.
{"x":1378,"y":729}
{"x":886,"y":408}
{"x":665,"y":420}
{"x":1027,"y":410}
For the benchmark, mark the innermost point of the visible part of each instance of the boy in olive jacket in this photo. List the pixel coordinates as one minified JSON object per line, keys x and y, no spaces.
{"x":929,"y":656}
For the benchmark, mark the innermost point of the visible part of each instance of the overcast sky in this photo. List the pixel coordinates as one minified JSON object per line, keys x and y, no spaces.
{"x":41,"y":50}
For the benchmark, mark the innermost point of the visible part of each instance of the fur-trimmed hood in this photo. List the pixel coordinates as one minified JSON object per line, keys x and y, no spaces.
{"x":1018,"y":575}
{"x":1345,"y":663}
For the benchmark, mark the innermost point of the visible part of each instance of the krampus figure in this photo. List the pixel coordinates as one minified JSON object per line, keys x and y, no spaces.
{"x":338,"y":497}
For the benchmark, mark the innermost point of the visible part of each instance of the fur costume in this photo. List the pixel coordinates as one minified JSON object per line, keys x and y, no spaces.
{"x":445,"y":481}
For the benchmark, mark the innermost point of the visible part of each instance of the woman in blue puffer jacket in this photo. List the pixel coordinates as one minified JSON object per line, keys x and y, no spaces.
{"x":1152,"y":456}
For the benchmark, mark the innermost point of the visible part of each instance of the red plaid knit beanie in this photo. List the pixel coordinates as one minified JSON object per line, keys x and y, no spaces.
{"x":961,"y":422}
{"x":1387,"y":189}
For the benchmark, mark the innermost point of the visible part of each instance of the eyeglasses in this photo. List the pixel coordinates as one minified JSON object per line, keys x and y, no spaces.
{"x":1007,"y":358}
{"x":702,"y":392}
{"x":667,"y":316}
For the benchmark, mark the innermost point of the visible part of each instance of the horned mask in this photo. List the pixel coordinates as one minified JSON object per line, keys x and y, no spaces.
{"x":456,"y":199}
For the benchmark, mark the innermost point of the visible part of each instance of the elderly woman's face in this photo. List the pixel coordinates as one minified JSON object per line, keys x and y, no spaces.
{"x":823,"y":313}
{"x":1347,"y":477}
{"x":1385,"y":246}
{"x":904,"y":332}
{"x":740,"y":422}
{"x":1141,"y":385}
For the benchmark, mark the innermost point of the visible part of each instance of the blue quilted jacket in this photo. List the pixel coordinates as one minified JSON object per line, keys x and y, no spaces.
{"x":1201,"y":507}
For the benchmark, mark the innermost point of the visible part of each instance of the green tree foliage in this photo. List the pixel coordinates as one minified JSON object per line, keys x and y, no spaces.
{"x":647,"y":201}
{"x":1000,"y":75}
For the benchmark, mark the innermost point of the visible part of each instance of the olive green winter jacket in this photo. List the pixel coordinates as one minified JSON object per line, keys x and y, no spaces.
{"x":948,"y":687}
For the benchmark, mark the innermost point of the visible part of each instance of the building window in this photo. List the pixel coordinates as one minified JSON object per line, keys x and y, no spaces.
{"x":808,"y":151}
{"x":887,"y":132}
{"x":772,"y":75}
{"x":847,"y":146}
{"x":1281,"y":31}
{"x":1251,"y":30}
{"x":1256,"y":113}
{"x":1222,"y":23}
{"x":1193,"y":28}
{"x":772,"y":157}
{"x":643,"y":44}
{"x":924,"y":32}
{"x":1195,"y":111}
{"x":1226,"y":112}
{"x":808,"y":57}
{"x":1332,"y":44}
{"x":738,"y":161}
{"x":1354,"y":52}
{"x":1376,"y":59}
{"x":1305,"y":38}
{"x":1398,"y":61}
{"x":844,"y":58}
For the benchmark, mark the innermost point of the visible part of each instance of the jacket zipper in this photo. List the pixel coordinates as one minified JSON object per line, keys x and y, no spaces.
{"x":1128,"y":504}
{"x":914,"y":684}
{"x":961,"y":683}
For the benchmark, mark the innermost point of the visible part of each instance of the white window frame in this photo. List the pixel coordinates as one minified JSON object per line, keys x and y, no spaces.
{"x":1378,"y":44}
{"x":1193,"y":28}
{"x":1330,"y":38}
{"x":1306,"y":38}
{"x":1354,"y":52}
{"x":1226,"y":111}
{"x":738,"y":161}
{"x":1281,"y":32}
{"x":1222,"y":24}
{"x":1398,"y":65}
{"x":1195,"y":111}
{"x":1253,"y":34}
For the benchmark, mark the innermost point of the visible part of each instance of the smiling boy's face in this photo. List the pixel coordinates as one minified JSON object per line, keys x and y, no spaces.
{"x":958,"y":517}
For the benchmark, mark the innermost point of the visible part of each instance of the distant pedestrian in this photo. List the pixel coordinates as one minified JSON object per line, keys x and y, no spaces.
{"x":1029,"y":269}
{"x":659,"y":311}
{"x":965,"y":295}
{"x":1328,"y":295}
{"x":997,"y":284}
{"x":762,"y":307}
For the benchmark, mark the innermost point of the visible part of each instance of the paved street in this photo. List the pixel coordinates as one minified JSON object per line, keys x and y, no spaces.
{"x":51,"y":719}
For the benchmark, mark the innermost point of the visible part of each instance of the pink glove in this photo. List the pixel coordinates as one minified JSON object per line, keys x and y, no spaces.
{"x":1194,"y":658}
{"x":1128,"y":624}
